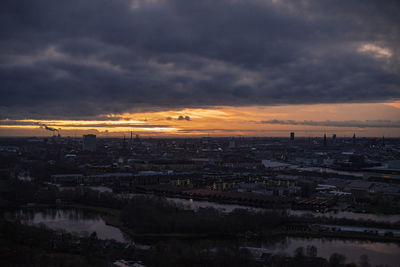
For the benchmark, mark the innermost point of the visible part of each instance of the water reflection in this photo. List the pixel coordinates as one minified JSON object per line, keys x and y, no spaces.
{"x":99,"y":188}
{"x":76,"y":221}
{"x":195,"y":205}
{"x":378,"y":253}
{"x":83,"y":223}
{"x":327,"y":170}
{"x":395,"y":218}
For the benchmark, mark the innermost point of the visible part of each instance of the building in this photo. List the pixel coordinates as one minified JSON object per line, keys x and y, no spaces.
{"x":361,"y":188}
{"x":67,"y":179}
{"x":292,"y":136}
{"x":232,"y":144}
{"x":89,"y":142}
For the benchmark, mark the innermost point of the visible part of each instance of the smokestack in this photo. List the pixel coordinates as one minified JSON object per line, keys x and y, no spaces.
{"x":47,"y":128}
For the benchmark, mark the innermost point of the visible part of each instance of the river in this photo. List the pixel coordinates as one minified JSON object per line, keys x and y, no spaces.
{"x":195,"y":205}
{"x":83,"y":223}
{"x":378,"y":252}
{"x":79,"y":222}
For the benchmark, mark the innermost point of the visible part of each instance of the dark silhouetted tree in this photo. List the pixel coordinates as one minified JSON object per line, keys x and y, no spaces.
{"x":364,"y":261}
{"x":337,"y":260}
{"x":311,"y":251}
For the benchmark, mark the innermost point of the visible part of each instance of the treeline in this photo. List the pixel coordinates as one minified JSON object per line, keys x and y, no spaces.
{"x":17,"y":192}
{"x":208,"y":253}
{"x":198,"y":253}
{"x":176,"y":218}
{"x":22,"y":245}
{"x":87,"y":196}
{"x":156,"y":215}
{"x":147,"y":214}
{"x":308,"y":257}
{"x":344,"y":221}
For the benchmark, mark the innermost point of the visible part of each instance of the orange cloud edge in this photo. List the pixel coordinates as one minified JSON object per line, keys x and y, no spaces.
{"x":217,"y":121}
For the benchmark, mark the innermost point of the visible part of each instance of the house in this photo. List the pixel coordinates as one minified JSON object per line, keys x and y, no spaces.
{"x":67,"y":178}
{"x":361,"y":188}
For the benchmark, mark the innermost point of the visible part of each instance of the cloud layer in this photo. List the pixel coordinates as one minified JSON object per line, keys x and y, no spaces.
{"x":352,"y":123}
{"x":69,"y":59}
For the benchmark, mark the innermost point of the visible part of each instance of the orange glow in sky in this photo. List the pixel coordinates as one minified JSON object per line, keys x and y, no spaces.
{"x":366,"y":119}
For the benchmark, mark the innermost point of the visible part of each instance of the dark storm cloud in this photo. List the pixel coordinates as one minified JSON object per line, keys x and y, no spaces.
{"x":181,"y":118}
{"x":72,"y":59}
{"x":352,"y":123}
{"x":83,"y":125}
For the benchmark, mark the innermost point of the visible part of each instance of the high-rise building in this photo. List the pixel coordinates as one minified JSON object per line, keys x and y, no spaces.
{"x":89,"y":142}
{"x":334,"y":138}
{"x":354,"y":139}
{"x":232,"y":144}
{"x":325,"y":143}
{"x":292,"y":136}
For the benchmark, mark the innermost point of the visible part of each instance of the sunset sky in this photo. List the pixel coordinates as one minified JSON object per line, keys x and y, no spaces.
{"x":197,"y":68}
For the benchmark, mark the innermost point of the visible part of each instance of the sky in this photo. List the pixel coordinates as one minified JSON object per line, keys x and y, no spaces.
{"x":199,"y":68}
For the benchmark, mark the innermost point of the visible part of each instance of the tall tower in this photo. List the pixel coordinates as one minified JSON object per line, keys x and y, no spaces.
{"x":292,"y":136}
{"x":354,"y":139}
{"x":334,"y":138}
{"x":131,"y":140}
{"x":325,"y":140}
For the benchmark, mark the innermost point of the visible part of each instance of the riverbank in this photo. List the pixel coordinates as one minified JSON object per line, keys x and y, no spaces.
{"x":269,"y":242}
{"x":268,"y":238}
{"x":256,"y":200}
{"x":112,"y":217}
